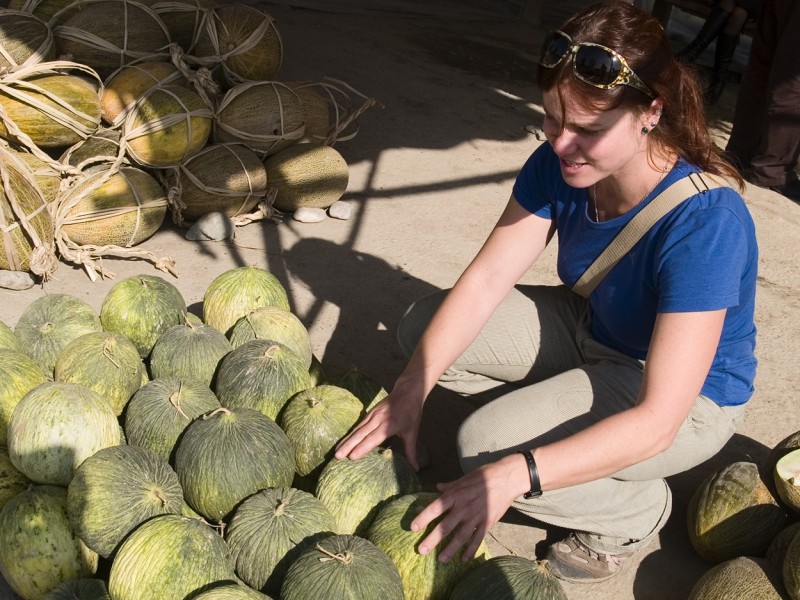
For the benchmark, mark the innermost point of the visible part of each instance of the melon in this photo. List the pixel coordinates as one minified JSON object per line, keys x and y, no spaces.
{"x":307,"y":175}
{"x":168,"y":124}
{"x":231,"y":592}
{"x":145,"y":565}
{"x":27,"y":226}
{"x":12,"y":482}
{"x":274,"y":323}
{"x":266,"y":116}
{"x":315,"y":420}
{"x":234,"y":293}
{"x":355,"y":490}
{"x":47,"y":177}
{"x":38,"y":546}
{"x":183,"y":19}
{"x":788,"y":444}
{"x":127,"y":84}
{"x":79,"y":589}
{"x":732,"y":513}
{"x":342,"y":566}
{"x":227,"y":455}
{"x":50,"y":323}
{"x":141,"y":308}
{"x":361,"y":385}
{"x":8,"y":341}
{"x":54,"y":110}
{"x":787,"y":479}
{"x":117,"y":489}
{"x":101,"y":147}
{"x":776,"y":552}
{"x":18,"y":375}
{"x":424,"y":577}
{"x":189,"y":351}
{"x":791,"y":568}
{"x":55,"y":427}
{"x":317,"y":372}
{"x":742,"y":577}
{"x":105,"y":362}
{"x":109,"y":34}
{"x":44,"y":9}
{"x":243,"y":40}
{"x":509,"y":577}
{"x":261,"y":374}
{"x":161,"y":410}
{"x":269,"y":529}
{"x":24,"y":40}
{"x":316,"y":110}
{"x":222,"y":178}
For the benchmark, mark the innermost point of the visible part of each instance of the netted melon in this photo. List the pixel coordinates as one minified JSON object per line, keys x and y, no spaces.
{"x":189,"y":351}
{"x":24,"y":39}
{"x":18,"y":375}
{"x":273,"y":323}
{"x":126,"y":85}
{"x":226,"y":178}
{"x":105,"y":362}
{"x":742,"y":577}
{"x":108,"y":34}
{"x":307,"y":175}
{"x":27,"y":226}
{"x":235,"y":292}
{"x":120,"y":207}
{"x":46,"y":175}
{"x":50,"y":323}
{"x":244,"y":40}
{"x":269,"y":529}
{"x":733,"y":513}
{"x":342,"y":566}
{"x":316,"y":110}
{"x":264,"y":115}
{"x":12,"y":482}
{"x":183,"y":19}
{"x":101,"y":147}
{"x":53,"y":110}
{"x":167,"y":125}
{"x":161,"y":410}
{"x":776,"y":552}
{"x":424,"y":576}
{"x":44,"y":9}
{"x":509,"y":577}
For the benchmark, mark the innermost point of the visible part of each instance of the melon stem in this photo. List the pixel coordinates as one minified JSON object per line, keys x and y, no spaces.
{"x":175,"y":400}
{"x":344,"y":558}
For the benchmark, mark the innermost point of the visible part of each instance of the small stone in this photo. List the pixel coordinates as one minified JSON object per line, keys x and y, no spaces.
{"x":305,"y":214}
{"x":16,"y":280}
{"x":213,"y":226}
{"x":341,"y":210}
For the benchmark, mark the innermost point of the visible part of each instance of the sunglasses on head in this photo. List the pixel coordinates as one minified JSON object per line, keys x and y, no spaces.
{"x":594,"y":64}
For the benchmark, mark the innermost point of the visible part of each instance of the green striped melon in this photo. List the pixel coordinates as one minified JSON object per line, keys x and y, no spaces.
{"x":235,"y":292}
{"x":231,"y":591}
{"x":191,"y":351}
{"x":227,"y":455}
{"x":509,"y":576}
{"x":18,"y":375}
{"x":79,"y":589}
{"x":12,"y":482}
{"x":269,"y":529}
{"x":342,"y":566}
{"x":307,"y":175}
{"x":115,"y":490}
{"x":161,"y":410}
{"x":361,"y":385}
{"x":145,"y":565}
{"x":273,"y":323}
{"x":261,"y":374}
{"x":8,"y":341}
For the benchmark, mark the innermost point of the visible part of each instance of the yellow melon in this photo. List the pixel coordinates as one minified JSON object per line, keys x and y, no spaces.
{"x":126,"y":85}
{"x":307,"y":175}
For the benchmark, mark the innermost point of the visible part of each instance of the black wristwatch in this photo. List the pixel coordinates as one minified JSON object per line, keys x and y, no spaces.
{"x":533,"y":472}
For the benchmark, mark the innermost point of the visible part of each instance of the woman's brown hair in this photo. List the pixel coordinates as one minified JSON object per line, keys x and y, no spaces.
{"x":640,"y":38}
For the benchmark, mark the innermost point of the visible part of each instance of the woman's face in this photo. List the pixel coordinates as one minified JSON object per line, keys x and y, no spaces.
{"x":593,"y":144}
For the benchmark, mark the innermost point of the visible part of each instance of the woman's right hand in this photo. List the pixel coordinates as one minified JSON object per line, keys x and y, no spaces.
{"x":400,"y":414}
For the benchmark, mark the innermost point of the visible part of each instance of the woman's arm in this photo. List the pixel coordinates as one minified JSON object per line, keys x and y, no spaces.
{"x":682,"y":349}
{"x":515,"y":242}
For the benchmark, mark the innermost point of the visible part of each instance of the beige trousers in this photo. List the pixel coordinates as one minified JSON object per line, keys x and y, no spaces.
{"x":538,"y":377}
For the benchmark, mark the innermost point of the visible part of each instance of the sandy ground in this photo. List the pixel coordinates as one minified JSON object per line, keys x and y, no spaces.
{"x":430,"y":171}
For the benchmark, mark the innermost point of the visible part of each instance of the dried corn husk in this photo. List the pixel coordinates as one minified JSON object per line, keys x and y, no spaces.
{"x":44,"y":106}
{"x":126,"y":85}
{"x":167,"y":125}
{"x":264,"y":115}
{"x":109,"y":34}
{"x":24,"y":40}
{"x":26,"y":226}
{"x":243,"y":40}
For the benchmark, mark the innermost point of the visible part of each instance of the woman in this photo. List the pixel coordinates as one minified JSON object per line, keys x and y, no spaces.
{"x":594,"y":402}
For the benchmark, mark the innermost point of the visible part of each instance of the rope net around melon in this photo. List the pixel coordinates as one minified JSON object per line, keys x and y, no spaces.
{"x":37,"y":55}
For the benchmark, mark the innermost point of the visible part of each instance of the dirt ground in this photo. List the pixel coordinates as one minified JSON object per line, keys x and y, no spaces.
{"x":430,"y":171}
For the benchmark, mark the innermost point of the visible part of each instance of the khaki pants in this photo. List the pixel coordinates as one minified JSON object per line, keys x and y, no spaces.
{"x":539,"y":377}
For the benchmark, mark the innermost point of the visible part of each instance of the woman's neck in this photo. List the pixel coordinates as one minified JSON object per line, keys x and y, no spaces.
{"x":623,"y":191}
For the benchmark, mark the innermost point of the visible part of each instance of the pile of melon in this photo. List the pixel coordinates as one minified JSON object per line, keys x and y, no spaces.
{"x":147,"y":452}
{"x":115,"y":112}
{"x":745,"y":518}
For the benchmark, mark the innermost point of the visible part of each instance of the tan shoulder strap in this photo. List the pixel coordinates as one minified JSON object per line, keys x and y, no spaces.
{"x":626,"y":239}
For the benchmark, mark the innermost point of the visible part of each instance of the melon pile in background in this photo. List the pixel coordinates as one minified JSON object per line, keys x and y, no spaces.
{"x":117,"y":112}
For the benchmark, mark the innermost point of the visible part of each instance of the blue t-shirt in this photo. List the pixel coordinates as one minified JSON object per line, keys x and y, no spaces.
{"x":701,"y":256}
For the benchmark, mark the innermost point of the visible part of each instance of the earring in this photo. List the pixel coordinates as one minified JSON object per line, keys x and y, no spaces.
{"x":645,"y":131}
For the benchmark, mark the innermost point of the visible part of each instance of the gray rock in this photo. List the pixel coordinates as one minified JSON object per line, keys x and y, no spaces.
{"x":341,"y":210}
{"x":305,"y":214}
{"x":16,"y":280}
{"x":214,"y":226}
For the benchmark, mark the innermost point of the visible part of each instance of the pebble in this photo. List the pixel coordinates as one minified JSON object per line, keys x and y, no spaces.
{"x":214,"y":226}
{"x":16,"y":280}
{"x":305,"y":214}
{"x":341,"y":210}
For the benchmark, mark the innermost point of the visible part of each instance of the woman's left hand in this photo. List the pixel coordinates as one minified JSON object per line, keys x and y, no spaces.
{"x":471,"y":505}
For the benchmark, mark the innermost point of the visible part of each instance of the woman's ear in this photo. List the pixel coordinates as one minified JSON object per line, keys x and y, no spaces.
{"x":652,"y":115}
